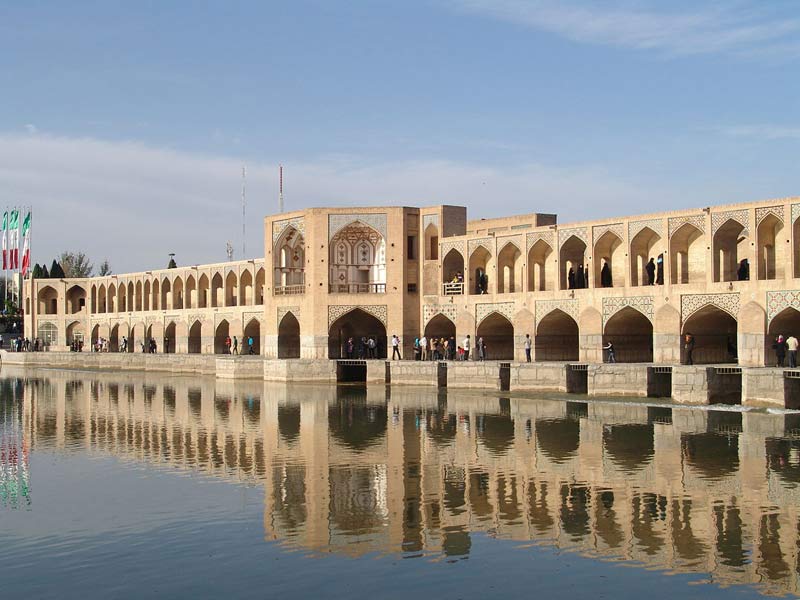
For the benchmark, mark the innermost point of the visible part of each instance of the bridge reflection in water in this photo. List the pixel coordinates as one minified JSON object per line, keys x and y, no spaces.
{"x":354,"y":470}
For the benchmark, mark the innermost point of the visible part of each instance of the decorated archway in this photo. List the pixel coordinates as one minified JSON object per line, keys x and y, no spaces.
{"x":355,"y":324}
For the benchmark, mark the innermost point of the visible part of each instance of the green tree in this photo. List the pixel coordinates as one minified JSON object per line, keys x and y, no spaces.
{"x":45,"y":274}
{"x":105,"y":268}
{"x":75,"y":264}
{"x":37,"y":271}
{"x":56,"y":272}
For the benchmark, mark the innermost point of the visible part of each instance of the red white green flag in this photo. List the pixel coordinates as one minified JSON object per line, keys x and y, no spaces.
{"x":26,"y":243}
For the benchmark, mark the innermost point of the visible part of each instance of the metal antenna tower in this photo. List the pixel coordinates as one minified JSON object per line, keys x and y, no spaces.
{"x":244,"y":206}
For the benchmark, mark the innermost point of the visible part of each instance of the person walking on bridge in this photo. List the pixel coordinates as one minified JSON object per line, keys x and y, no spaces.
{"x":396,"y":347}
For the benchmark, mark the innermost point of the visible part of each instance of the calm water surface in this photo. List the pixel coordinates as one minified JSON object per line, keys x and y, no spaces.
{"x":130,"y":486}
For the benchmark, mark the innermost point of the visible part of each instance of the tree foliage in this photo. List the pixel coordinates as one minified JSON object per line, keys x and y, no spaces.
{"x":75,"y":264}
{"x":172,"y":264}
{"x":37,"y":271}
{"x":45,"y":274}
{"x":56,"y":272}
{"x":105,"y":268}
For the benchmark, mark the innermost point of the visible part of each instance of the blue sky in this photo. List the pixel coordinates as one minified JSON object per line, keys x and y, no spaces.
{"x":121,"y":111}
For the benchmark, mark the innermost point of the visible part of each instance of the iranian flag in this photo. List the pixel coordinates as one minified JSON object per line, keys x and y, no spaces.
{"x":26,"y":243}
{"x":13,"y":239}
{"x":5,"y":240}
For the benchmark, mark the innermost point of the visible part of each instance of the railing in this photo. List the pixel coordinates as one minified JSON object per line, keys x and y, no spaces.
{"x":357,"y":288}
{"x":289,"y":290}
{"x":453,"y":289}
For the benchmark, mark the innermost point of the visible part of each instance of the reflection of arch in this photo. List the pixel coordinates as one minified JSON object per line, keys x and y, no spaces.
{"x":714,"y":331}
{"x":632,"y":335}
{"x":48,"y":301}
{"x":221,"y":334}
{"x":355,"y":424}
{"x":687,"y":255}
{"x":509,"y":269}
{"x":431,"y":234}
{"x":496,"y":433}
{"x":772,"y":254}
{"x":498,"y":337}
{"x":538,"y":257}
{"x":630,"y":446}
{"x":643,"y":248}
{"x":440,"y":327}
{"x":356,"y":324}
{"x":571,"y":255}
{"x":252,"y":329}
{"x":713,"y":455}
{"x":195,"y":338}
{"x":479,"y":263}
{"x":785,"y":323}
{"x":558,"y":439}
{"x":289,"y":423}
{"x":609,"y":249}
{"x":556,"y":337}
{"x":729,"y":246}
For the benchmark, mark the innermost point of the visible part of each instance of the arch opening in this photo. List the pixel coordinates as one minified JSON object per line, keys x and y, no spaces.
{"x":714,"y":332}
{"x":76,"y":299}
{"x":509,"y":269}
{"x":556,"y":338}
{"x":609,"y":250}
{"x":221,"y":334}
{"x":289,"y":260}
{"x":357,"y":260}
{"x":785,"y":323}
{"x":355,"y":324}
{"x":480,"y":261}
{"x":431,"y":242}
{"x":498,"y":338}
{"x":687,"y":255}
{"x":252,"y":330}
{"x":48,"y":301}
{"x":730,"y":252}
{"x":453,"y":273}
{"x":289,"y":337}
{"x":631,"y":333}
{"x":572,"y":257}
{"x":538,"y":258}
{"x":169,"y":338}
{"x":440,"y":327}
{"x":195,"y":338}
{"x":643,"y":248}
{"x":771,"y":252}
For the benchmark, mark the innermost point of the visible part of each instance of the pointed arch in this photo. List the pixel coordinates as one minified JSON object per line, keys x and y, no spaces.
{"x":480,"y":263}
{"x":556,"y":337}
{"x":730,"y":245}
{"x":112,"y":298}
{"x":289,"y":336}
{"x":715,"y":332}
{"x":147,"y":296}
{"x":687,"y":255}
{"x":177,"y":293}
{"x":631,"y":333}
{"x":289,"y":257}
{"x":221,"y":334}
{"x":190,"y":294}
{"x":75,"y":299}
{"x":571,"y":255}
{"x":253,"y":330}
{"x":355,"y":324}
{"x":102,"y":299}
{"x":170,"y":335}
{"x":231,"y":288}
{"x":217,"y":290}
{"x":203,"y":287}
{"x":260,"y":282}
{"x":431,"y":236}
{"x":509,"y":269}
{"x":497,"y":333}
{"x":644,"y":246}
{"x":246,"y":288}
{"x":156,"y":295}
{"x":131,"y":297}
{"x":453,"y":273}
{"x":609,"y":249}
{"x":539,"y":256}
{"x":166,"y":294}
{"x":440,"y":327}
{"x":122,"y":298}
{"x":195,"y":342}
{"x":93,"y":300}
{"x":138,"y":297}
{"x":357,"y":260}
{"x":772,"y":252}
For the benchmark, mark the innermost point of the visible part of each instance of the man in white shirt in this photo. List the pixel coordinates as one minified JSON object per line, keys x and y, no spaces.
{"x":466,"y":345}
{"x":527,"y":346}
{"x":791,"y":345}
{"x":423,"y":345}
{"x":396,"y":347}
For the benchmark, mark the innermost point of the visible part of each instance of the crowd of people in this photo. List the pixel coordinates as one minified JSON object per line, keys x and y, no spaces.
{"x":783,"y":347}
{"x":22,"y":344}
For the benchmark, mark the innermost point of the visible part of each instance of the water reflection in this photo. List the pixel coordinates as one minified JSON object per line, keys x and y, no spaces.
{"x":353,"y":470}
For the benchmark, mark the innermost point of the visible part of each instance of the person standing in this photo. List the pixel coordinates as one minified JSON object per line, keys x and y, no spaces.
{"x":612,"y":358}
{"x":651,"y":272}
{"x":660,"y":269}
{"x":780,"y":349}
{"x":235,"y":346}
{"x":349,"y":347}
{"x":605,"y":275}
{"x":466,"y":346}
{"x":688,"y":345}
{"x":423,"y":346}
{"x":371,"y":347}
{"x":250,"y":344}
{"x":527,"y":345}
{"x":396,"y":347}
{"x":571,"y":279}
{"x":580,"y":279}
{"x":227,"y":344}
{"x":791,"y":344}
{"x":481,"y":349}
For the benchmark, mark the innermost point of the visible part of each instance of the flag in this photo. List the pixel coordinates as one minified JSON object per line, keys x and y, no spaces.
{"x":5,"y":240}
{"x":26,"y":243}
{"x":13,"y":239}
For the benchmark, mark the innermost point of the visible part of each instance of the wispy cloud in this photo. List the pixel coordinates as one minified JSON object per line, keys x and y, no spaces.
{"x":742,"y":28}
{"x":763,"y":132}
{"x":135,"y":203}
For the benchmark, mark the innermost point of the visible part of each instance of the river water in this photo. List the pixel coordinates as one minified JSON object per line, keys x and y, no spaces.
{"x":119,"y":485}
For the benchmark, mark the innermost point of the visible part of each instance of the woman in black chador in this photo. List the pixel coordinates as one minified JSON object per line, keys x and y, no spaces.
{"x":743,"y":273}
{"x":605,"y":275}
{"x":571,"y":279}
{"x":660,"y":270}
{"x":651,"y":272}
{"x":580,"y":280}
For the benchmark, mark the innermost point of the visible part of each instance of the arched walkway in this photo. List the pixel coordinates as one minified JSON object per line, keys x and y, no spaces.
{"x":253,"y":329}
{"x":556,"y":338}
{"x":289,"y":262}
{"x":538,"y":257}
{"x":195,"y":338}
{"x":440,"y":327}
{"x":498,"y":336}
{"x":76,"y":299}
{"x":113,"y":339}
{"x":609,"y":250}
{"x":571,"y":256}
{"x":730,"y":247}
{"x":509,"y":269}
{"x":772,"y":254}
{"x":785,"y":323}
{"x":75,"y":333}
{"x":357,"y":260}
{"x":453,"y":273}
{"x":643,"y":248}
{"x":714,"y":331}
{"x":48,"y":301}
{"x":355,"y":324}
{"x":687,"y":255}
{"x":169,"y":339}
{"x":479,"y":263}
{"x":632,"y":335}
{"x":289,"y":337}
{"x":220,"y":335}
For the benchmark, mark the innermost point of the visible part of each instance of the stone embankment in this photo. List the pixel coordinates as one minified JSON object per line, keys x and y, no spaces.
{"x":722,"y":384}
